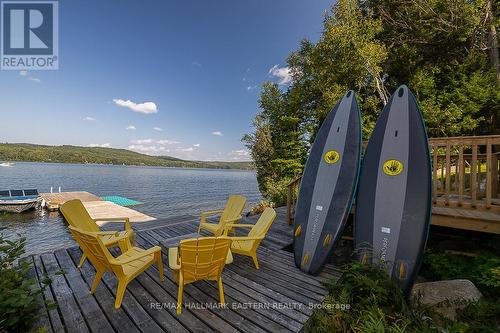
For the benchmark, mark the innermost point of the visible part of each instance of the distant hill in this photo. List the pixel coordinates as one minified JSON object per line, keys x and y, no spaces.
{"x":73,"y":154}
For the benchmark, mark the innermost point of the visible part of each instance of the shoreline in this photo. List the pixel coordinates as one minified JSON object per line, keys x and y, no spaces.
{"x":129,"y":165}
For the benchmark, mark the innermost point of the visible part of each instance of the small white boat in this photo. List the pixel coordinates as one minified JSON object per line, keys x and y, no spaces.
{"x":18,"y":201}
{"x":7,"y":164}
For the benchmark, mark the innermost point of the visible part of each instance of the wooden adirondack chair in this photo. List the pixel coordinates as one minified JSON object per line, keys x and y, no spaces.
{"x":77,"y":216}
{"x":199,"y":259}
{"x":230,"y":214}
{"x":132,"y":262}
{"x":247,"y":245}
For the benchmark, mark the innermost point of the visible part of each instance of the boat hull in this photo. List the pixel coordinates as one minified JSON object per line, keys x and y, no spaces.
{"x":18,"y":206}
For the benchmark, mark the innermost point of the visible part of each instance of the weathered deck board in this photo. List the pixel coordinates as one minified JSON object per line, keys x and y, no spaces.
{"x":255,"y":298}
{"x":62,"y":197}
{"x":70,"y":312}
{"x":43,"y":319}
{"x":55,"y":319}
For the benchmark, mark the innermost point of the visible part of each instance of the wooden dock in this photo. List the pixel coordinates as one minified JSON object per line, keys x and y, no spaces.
{"x":276,"y":298}
{"x":97,"y":207}
{"x":62,"y":197}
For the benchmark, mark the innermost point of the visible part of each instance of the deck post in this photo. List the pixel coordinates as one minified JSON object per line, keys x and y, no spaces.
{"x":488,"y":174}
{"x":434,"y":171}
{"x":448,"y":171}
{"x":473,"y":172}
{"x":461,"y":173}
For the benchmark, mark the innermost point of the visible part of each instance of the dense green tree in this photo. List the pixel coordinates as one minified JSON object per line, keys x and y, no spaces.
{"x":441,"y":49}
{"x":276,"y":143}
{"x":444,"y":50}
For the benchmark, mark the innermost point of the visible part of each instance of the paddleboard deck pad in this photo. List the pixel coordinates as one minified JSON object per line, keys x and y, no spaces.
{"x":328,"y":185}
{"x":393,"y":205}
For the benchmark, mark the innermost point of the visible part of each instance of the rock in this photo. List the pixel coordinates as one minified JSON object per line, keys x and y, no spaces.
{"x":448,"y":295}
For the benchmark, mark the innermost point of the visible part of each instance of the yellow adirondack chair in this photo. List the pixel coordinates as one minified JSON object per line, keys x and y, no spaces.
{"x":77,"y":216}
{"x":132,"y":262}
{"x":247,"y":245}
{"x":199,"y":259}
{"x":230,"y":214}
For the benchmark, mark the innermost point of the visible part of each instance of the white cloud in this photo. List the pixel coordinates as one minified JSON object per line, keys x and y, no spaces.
{"x":196,"y":145}
{"x":197,"y":64}
{"x":149,"y":149}
{"x":240,"y":155}
{"x":130,"y":128}
{"x":141,"y":141}
{"x":150,"y":145}
{"x":217,"y":133}
{"x":89,"y":119}
{"x":158,"y":129}
{"x":31,"y":78}
{"x":146,"y":108}
{"x":167,"y":142}
{"x":283,"y":74}
{"x":185,"y":149}
{"x":102,"y":145}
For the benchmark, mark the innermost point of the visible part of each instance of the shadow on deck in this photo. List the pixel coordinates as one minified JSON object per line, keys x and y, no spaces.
{"x":276,"y":298}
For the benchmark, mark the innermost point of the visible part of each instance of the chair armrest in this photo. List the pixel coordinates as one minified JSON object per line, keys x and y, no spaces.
{"x":212,"y":212}
{"x":229,"y":226}
{"x":173,"y":258}
{"x":147,"y":252}
{"x":232,"y":225}
{"x":232,"y":220}
{"x":244,"y":238}
{"x":104,"y":233}
{"x":204,"y":215}
{"x":125,"y":220}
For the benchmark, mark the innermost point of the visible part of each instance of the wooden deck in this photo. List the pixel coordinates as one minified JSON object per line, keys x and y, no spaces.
{"x":276,"y":298}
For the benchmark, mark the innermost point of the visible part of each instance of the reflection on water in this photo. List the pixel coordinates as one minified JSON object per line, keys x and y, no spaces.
{"x":165,"y":192}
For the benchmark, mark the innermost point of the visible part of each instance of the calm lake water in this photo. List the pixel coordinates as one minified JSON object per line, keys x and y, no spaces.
{"x":165,"y":192}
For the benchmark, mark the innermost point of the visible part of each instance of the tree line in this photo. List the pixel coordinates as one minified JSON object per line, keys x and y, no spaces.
{"x":446,"y":51}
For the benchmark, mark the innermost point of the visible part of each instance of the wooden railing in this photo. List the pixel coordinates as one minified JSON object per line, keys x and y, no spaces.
{"x":466,"y":174}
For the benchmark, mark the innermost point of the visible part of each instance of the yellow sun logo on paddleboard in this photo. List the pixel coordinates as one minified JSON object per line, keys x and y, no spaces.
{"x":392,"y":167}
{"x":331,"y":156}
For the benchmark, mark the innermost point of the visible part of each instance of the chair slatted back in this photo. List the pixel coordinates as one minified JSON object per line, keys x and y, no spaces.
{"x":203,"y":258}
{"x":234,"y":207}
{"x":264,"y":223}
{"x":93,"y":247}
{"x":77,"y":216}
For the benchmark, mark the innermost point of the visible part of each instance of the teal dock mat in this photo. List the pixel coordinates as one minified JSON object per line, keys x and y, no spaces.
{"x":121,"y":200}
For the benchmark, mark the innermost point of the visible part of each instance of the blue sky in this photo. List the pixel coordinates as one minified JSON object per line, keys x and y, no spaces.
{"x":178,"y":78}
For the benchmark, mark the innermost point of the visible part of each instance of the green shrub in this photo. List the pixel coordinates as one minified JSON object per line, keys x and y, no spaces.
{"x":483,"y":270}
{"x":19,"y":295}
{"x":277,"y":191}
{"x":376,"y":305}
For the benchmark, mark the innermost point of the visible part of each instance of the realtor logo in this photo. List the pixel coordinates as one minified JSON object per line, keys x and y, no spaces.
{"x":29,"y":35}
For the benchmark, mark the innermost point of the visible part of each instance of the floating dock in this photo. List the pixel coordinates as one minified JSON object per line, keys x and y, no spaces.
{"x":97,"y":207}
